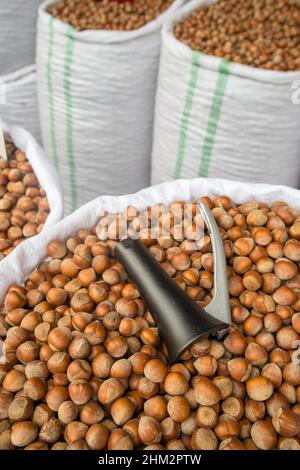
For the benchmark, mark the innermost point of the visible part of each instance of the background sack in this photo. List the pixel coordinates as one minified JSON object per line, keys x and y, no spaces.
{"x":45,"y":172}
{"x":21,"y":106}
{"x":17,"y":33}
{"x":96,"y":98}
{"x":29,"y":254}
{"x":220,"y":119}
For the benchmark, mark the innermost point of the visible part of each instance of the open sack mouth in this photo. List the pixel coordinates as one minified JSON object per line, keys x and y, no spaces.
{"x":98,"y":346}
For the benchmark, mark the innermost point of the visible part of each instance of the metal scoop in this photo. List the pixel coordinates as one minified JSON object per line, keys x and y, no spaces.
{"x":180,"y":320}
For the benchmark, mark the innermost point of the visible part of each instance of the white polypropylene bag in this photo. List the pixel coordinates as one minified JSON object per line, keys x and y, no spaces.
{"x":29,"y":254}
{"x":19,"y":91}
{"x":220,"y":119}
{"x":96,"y":97}
{"x":17,"y":33}
{"x":44,"y":170}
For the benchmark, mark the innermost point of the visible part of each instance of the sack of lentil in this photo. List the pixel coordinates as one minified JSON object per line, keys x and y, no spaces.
{"x":96,"y":93}
{"x":17,"y":34}
{"x":227,"y":111}
{"x":31,"y":196}
{"x":30,"y":253}
{"x":20,"y":94}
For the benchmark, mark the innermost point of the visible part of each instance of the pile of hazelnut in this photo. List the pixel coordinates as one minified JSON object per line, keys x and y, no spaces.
{"x":84,"y":367}
{"x":120,"y":15}
{"x":23,"y":203}
{"x":259,"y":33}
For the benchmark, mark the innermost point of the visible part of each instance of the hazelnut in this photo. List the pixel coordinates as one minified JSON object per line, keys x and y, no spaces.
{"x":206,"y":392}
{"x":291,"y":373}
{"x":50,"y":431}
{"x":232,"y":443}
{"x":259,"y":388}
{"x":23,"y":433}
{"x":155,"y":370}
{"x":276,"y":402}
{"x":81,"y":302}
{"x":206,"y":365}
{"x":97,"y":436}
{"x":156,"y":407}
{"x":78,"y":444}
{"x":80,"y":392}
{"x":110,"y":390}
{"x":264,"y":435}
{"x":226,"y":427}
{"x":35,"y":388}
{"x":42,"y":413}
{"x":239,"y":369}
{"x":150,"y":430}
{"x":82,"y":256}
{"x":101,"y":365}
{"x":122,"y":410}
{"x":95,"y":333}
{"x":175,"y":384}
{"x":119,"y":440}
{"x":138,"y":362}
{"x":117,"y":346}
{"x":59,"y":338}
{"x":286,"y":422}
{"x":235,"y":343}
{"x":27,"y":352}
{"x":225,"y":386}
{"x":67,"y":412}
{"x":56,"y":396}
{"x":146,"y":388}
{"x":20,"y":409}
{"x":74,"y":431}
{"x":37,"y":445}
{"x":14,"y":380}
{"x":79,"y":348}
{"x":91,"y":413}
{"x":58,"y":362}
{"x":178,"y":408}
{"x":121,"y":369}
{"x":273,"y":373}
{"x":206,"y":417}
{"x":56,"y":249}
{"x":79,"y":370}
{"x":204,"y":439}
{"x":234,"y":407}
{"x":131,"y":427}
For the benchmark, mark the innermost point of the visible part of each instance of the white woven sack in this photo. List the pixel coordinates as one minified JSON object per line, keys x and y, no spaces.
{"x":220,"y":119}
{"x":44,"y":170}
{"x":96,"y":97}
{"x":17,"y":33}
{"x":29,"y":254}
{"x":21,"y":107}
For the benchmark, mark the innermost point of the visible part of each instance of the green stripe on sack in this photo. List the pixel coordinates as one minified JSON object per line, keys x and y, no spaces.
{"x":187,"y":113}
{"x":214,"y":117}
{"x":69,"y":115}
{"x":50,"y":95}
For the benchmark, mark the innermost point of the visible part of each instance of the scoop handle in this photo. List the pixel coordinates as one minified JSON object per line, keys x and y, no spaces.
{"x":180,"y":320}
